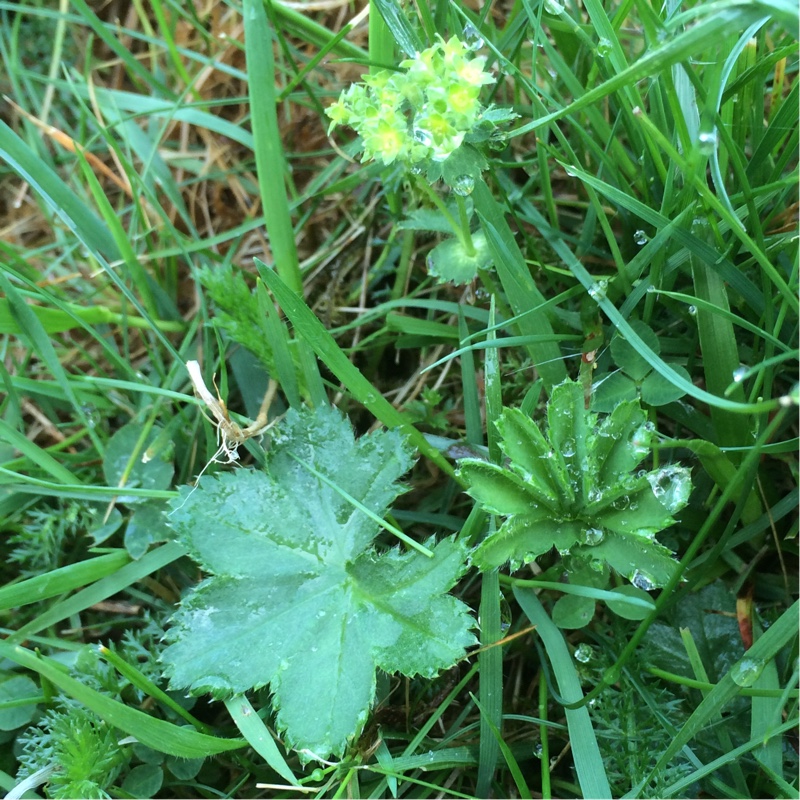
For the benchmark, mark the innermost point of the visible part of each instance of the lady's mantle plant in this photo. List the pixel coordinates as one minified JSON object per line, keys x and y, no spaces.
{"x":421,"y":113}
{"x":576,"y":488}
{"x":428,"y":118}
{"x":298,"y":596}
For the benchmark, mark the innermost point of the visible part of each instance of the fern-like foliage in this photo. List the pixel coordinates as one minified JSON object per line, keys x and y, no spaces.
{"x":80,"y":747}
{"x":237,"y":311}
{"x":46,"y":537}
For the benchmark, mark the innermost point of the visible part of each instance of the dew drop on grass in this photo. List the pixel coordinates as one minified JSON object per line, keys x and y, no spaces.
{"x":603,"y":48}
{"x":538,"y":750}
{"x":584,"y":653}
{"x":472,"y":37}
{"x":747,"y":671}
{"x":641,"y":238}
{"x":739,"y":374}
{"x":568,"y":448}
{"x":707,"y":142}
{"x":692,"y":311}
{"x":597,"y":291}
{"x":463,"y":185}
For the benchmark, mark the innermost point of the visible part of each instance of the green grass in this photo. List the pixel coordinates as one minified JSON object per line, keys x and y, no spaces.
{"x":169,"y":194}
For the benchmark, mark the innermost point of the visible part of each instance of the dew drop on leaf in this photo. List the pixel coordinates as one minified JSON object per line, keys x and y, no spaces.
{"x":463,"y":185}
{"x":739,"y":374}
{"x":424,"y":137}
{"x":671,"y":485}
{"x":640,"y":441}
{"x":584,"y":653}
{"x":641,"y":238}
{"x":568,"y":448}
{"x":538,"y":750}
{"x":642,"y":581}
{"x":593,"y":536}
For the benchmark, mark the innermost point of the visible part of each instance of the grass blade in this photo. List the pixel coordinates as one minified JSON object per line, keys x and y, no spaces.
{"x":588,"y":761}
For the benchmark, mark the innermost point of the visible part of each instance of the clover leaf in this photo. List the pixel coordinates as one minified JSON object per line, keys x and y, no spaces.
{"x":575,"y":488}
{"x":298,"y":596}
{"x":636,"y":377}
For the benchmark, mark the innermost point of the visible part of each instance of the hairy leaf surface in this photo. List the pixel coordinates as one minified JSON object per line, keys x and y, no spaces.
{"x":574,"y":487}
{"x":298,"y":598}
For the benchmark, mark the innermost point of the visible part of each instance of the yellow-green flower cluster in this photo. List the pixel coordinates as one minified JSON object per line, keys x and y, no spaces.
{"x":422,"y":112}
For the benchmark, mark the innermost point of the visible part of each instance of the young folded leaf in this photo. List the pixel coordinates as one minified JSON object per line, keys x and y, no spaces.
{"x":298,"y":598}
{"x":574,"y":488}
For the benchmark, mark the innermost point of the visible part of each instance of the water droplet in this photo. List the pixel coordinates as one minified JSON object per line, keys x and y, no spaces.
{"x":538,"y":750}
{"x":463,"y":185}
{"x":595,"y":495}
{"x":671,"y":486}
{"x":472,"y":37}
{"x":92,"y":415}
{"x":640,"y":441}
{"x":553,"y":7}
{"x":739,"y":374}
{"x":642,"y":581}
{"x":707,"y":142}
{"x":641,"y":238}
{"x":621,"y":503}
{"x":692,"y":311}
{"x":584,"y":653}
{"x":747,"y":671}
{"x":597,"y":291}
{"x":568,"y":448}
{"x":604,"y":47}
{"x":593,"y":536}
{"x":424,"y":137}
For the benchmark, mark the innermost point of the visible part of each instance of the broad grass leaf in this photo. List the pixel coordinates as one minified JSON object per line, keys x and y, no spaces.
{"x":298,"y":598}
